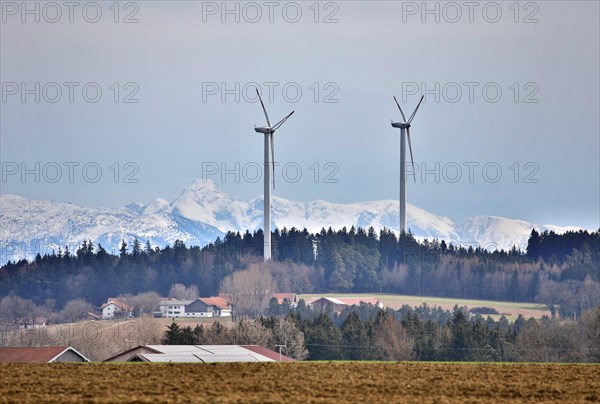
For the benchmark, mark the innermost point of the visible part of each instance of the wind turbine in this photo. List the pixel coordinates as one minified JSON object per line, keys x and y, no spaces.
{"x":268,"y":131}
{"x":404,"y":133}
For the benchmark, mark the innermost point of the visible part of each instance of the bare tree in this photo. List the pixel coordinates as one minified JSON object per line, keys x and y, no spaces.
{"x":393,"y":341}
{"x":591,"y":326}
{"x":144,"y":303}
{"x":251,"y":333}
{"x":249,"y":291}
{"x":286,"y":333}
{"x":181,"y":292}
{"x":75,"y":310}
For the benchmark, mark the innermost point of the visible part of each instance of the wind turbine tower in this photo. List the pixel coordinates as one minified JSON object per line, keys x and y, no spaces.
{"x":269,"y":150}
{"x":404,"y":127}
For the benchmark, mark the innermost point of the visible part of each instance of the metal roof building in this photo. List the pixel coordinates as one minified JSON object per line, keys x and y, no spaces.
{"x":199,"y":354}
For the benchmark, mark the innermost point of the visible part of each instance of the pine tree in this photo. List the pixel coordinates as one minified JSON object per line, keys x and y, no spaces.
{"x":123,"y":249}
{"x":172,"y":335}
{"x":534,"y":245}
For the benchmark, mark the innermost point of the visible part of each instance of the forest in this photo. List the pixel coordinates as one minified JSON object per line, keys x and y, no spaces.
{"x":423,"y":333}
{"x":560,"y":270}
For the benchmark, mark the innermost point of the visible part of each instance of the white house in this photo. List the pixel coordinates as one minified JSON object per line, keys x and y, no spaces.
{"x":173,"y":307}
{"x":201,"y":307}
{"x":115,"y":308}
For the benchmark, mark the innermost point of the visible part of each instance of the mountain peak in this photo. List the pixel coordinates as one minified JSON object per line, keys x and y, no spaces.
{"x":202,"y":212}
{"x":203,"y":184}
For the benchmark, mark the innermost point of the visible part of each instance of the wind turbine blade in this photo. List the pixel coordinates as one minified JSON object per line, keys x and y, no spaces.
{"x":403,"y":117}
{"x":411,"y":155}
{"x":278,"y":124}
{"x":413,"y":114}
{"x":263,"y":107}
{"x":273,"y":157}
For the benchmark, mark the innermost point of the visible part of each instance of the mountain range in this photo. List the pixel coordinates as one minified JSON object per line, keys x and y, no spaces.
{"x":202,"y":212}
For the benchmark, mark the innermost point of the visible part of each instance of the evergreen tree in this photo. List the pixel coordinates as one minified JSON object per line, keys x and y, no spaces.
{"x":172,"y":335}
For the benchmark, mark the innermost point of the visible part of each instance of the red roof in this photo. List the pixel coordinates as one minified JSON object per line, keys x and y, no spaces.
{"x":117,"y":302}
{"x":215,"y":301}
{"x":281,"y":296}
{"x":33,"y":355}
{"x":348,"y":301}
{"x":357,"y":301}
{"x":267,"y":352}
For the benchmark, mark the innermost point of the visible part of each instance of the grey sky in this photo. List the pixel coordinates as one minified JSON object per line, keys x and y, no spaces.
{"x":547,"y":123}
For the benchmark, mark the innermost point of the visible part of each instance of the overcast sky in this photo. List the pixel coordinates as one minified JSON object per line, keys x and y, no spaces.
{"x":509,"y":126}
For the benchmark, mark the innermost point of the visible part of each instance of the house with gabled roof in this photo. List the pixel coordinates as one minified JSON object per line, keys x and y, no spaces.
{"x":115,"y":307}
{"x":48,"y":354}
{"x":221,"y":306}
{"x":338,"y":304}
{"x":200,"y":307}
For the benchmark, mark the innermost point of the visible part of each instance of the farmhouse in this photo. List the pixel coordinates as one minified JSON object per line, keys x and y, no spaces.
{"x":290,"y":297}
{"x":338,"y":304}
{"x":201,"y":307}
{"x":199,"y":353}
{"x":51,"y":354}
{"x":115,"y":308}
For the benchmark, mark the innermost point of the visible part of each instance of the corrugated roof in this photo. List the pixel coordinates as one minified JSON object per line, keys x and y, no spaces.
{"x":34,"y":354}
{"x":208,"y":353}
{"x":268,"y":353}
{"x":132,"y":350}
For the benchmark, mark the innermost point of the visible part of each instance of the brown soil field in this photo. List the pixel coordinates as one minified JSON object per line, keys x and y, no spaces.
{"x":305,"y":382}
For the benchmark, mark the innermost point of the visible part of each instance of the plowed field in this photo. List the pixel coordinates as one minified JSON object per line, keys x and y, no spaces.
{"x":303,"y":382}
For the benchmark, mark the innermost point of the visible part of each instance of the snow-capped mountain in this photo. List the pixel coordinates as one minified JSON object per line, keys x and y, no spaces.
{"x":202,"y":212}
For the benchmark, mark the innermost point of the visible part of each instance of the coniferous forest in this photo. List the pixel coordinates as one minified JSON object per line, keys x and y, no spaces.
{"x":562,"y":271}
{"x":422,"y":333}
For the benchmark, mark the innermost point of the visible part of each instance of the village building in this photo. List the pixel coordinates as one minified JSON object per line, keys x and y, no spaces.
{"x":290,"y":297}
{"x":201,"y":307}
{"x":339,"y":304}
{"x":199,"y":353}
{"x":51,"y":354}
{"x":115,"y":308}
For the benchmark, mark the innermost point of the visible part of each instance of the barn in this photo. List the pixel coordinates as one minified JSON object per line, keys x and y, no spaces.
{"x":199,"y":354}
{"x":338,"y":304}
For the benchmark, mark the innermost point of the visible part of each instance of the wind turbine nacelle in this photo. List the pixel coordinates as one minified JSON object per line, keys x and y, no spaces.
{"x":263,"y":130}
{"x":400,"y":125}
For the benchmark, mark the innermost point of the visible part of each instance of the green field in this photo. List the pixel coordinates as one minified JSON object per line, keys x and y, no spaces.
{"x":510,"y":310}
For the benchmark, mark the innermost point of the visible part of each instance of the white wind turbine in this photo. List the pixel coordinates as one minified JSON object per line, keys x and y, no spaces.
{"x":268,"y":131}
{"x":404,"y":133}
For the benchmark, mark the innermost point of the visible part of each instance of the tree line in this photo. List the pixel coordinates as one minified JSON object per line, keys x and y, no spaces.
{"x":560,"y":270}
{"x":425,"y":334}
